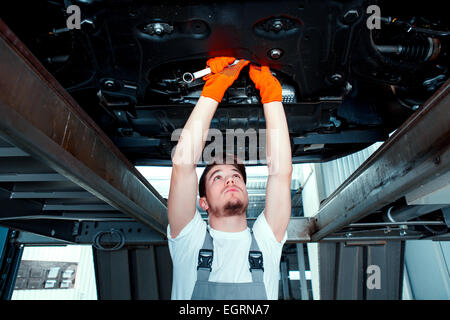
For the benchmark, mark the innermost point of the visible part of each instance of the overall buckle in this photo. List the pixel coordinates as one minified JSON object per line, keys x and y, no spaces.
{"x":205,"y":258}
{"x":255,"y":259}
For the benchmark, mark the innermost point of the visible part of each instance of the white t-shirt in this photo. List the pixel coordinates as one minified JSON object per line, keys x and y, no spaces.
{"x":230,"y":260}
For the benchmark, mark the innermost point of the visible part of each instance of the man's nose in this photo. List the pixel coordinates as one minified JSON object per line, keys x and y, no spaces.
{"x":229,"y":179}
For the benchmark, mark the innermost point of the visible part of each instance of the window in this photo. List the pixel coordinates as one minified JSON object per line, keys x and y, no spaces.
{"x":56,"y":273}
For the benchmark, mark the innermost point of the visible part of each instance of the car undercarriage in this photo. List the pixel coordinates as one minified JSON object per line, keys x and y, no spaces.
{"x":350,"y":76}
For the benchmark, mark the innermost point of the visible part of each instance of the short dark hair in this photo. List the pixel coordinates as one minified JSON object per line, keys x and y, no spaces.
{"x":229,"y":159}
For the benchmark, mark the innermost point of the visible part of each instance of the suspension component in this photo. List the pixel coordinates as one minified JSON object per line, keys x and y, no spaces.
{"x":425,"y":51}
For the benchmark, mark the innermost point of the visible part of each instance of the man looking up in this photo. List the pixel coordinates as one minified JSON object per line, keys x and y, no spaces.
{"x":225,"y":259}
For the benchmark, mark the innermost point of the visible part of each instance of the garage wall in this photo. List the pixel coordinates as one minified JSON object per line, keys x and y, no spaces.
{"x":134,"y":273}
{"x":335,"y":172}
{"x":428,"y":269}
{"x":318,"y":181}
{"x":311,"y":201}
{"x":343,"y":271}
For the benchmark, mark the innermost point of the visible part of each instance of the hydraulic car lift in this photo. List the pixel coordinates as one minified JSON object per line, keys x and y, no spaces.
{"x":80,"y":188}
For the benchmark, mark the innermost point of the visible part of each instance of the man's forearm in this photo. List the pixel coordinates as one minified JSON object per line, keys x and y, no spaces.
{"x":278,"y":146}
{"x":193,"y":136}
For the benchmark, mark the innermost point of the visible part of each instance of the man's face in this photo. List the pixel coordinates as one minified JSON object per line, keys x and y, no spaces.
{"x":226,"y":193}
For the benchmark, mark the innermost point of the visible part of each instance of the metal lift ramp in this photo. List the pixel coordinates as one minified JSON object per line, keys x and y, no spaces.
{"x":365,"y":222}
{"x":62,"y":178}
{"x":413,"y":162}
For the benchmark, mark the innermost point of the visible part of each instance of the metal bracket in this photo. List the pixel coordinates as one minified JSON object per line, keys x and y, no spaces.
{"x":446,"y":214}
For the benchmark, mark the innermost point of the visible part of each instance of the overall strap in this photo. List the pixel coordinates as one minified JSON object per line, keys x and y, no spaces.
{"x":206,"y":255}
{"x":205,"y":258}
{"x":255,"y":259}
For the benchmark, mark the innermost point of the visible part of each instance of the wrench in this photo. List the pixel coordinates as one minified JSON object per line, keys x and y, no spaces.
{"x":189,"y":77}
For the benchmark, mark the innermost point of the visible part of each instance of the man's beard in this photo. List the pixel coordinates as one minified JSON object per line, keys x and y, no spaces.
{"x":231,"y":208}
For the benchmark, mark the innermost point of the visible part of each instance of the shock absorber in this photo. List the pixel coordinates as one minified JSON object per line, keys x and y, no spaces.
{"x":424,"y":50}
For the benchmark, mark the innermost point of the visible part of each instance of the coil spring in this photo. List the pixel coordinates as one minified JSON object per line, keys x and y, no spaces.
{"x":414,"y":52}
{"x":418,"y":51}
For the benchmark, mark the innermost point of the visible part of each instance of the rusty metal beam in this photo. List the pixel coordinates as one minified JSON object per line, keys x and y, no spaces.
{"x":417,"y":153}
{"x":41,"y":118}
{"x":134,"y":233}
{"x":299,"y":229}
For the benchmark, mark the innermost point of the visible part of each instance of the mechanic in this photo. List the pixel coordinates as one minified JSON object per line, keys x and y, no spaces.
{"x":225,"y":259}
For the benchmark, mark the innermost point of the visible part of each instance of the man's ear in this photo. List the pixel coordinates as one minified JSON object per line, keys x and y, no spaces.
{"x":203,"y":203}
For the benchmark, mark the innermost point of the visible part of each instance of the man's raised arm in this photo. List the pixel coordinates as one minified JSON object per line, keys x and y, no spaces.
{"x":278,"y":151}
{"x":183,"y":182}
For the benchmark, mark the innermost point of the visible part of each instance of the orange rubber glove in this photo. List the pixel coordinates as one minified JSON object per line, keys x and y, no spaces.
{"x":219,"y":63}
{"x":218,"y":82}
{"x":269,"y":87}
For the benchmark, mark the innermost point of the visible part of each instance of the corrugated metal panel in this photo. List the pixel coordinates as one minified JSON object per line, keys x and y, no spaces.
{"x":335,"y":172}
{"x":345,"y":271}
{"x":85,"y":286}
{"x":137,"y":273}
